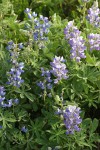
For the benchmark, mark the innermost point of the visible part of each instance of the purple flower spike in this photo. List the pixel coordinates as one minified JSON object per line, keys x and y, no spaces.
{"x":41,"y":27}
{"x":15,"y":74}
{"x":72,"y":119}
{"x":94,"y":15}
{"x":58,"y":69}
{"x":76,"y":41}
{"x":94,"y":41}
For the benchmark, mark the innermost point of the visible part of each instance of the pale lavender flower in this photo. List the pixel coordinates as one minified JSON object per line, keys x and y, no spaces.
{"x":29,"y":15}
{"x":94,"y":41}
{"x":72,"y":119}
{"x":76,"y":41}
{"x":94,"y":15}
{"x":27,"y":10}
{"x":20,"y":45}
{"x":58,"y":69}
{"x":34,"y":14}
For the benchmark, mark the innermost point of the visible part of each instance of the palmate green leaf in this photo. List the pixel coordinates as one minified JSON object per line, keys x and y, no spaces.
{"x":86,"y":123}
{"x":22,"y":114}
{"x":10,"y":119}
{"x":91,"y":73}
{"x":42,"y":141}
{"x":7,"y":117}
{"x":91,"y":61}
{"x":94,"y":125}
{"x":56,"y":134}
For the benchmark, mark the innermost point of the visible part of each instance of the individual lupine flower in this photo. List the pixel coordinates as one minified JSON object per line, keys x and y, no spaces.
{"x":94,"y":41}
{"x":34,"y":14}
{"x":8,"y":104}
{"x":20,"y":45}
{"x":10,"y":45}
{"x":27,"y":10}
{"x":94,"y":15}
{"x":58,"y":69}
{"x":15,"y":74}
{"x":2,"y":94}
{"x":72,"y":119}
{"x":76,"y":41}
{"x":49,"y":86}
{"x":58,"y":111}
{"x":24,"y":129}
{"x":41,"y":85}
{"x":16,"y":101}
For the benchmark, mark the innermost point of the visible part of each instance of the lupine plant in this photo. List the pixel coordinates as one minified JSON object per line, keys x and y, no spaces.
{"x":50,"y":79}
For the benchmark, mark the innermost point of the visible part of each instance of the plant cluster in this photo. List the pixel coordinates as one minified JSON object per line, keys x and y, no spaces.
{"x":50,"y":80}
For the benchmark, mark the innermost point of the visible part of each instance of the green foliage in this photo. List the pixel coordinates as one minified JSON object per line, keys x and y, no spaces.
{"x":36,"y":110}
